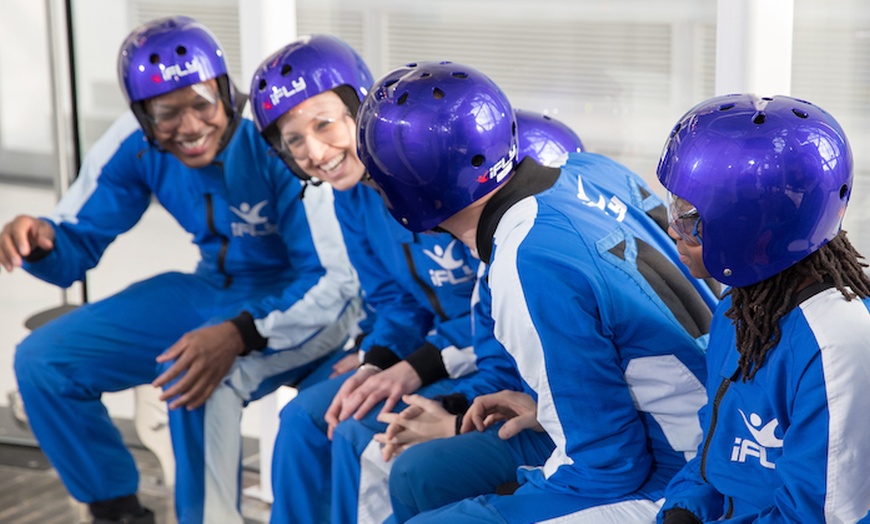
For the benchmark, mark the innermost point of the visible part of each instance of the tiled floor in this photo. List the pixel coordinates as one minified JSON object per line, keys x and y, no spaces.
{"x":31,"y":492}
{"x":156,"y":244}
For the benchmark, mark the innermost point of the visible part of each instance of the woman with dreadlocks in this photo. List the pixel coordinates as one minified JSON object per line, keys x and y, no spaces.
{"x":758,"y":188}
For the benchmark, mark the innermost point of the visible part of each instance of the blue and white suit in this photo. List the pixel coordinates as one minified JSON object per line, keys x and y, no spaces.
{"x":273,"y":263}
{"x":790,"y":445}
{"x":607,"y":333}
{"x":420,"y":287}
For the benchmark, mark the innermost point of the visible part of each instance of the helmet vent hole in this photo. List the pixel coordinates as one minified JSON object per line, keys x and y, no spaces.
{"x":514,"y":129}
{"x":286,"y":69}
{"x":402,"y":99}
{"x":412,"y":64}
{"x":767,"y":98}
{"x":477,"y":160}
{"x":425,"y":75}
{"x":262,"y":84}
{"x":800,"y":114}
{"x":437,"y":94}
{"x":759,"y":118}
{"x":154,"y":58}
{"x":388,"y":83}
{"x":844,"y":190}
{"x":181,"y":50}
{"x":726,"y":107}
{"x":460,"y":74}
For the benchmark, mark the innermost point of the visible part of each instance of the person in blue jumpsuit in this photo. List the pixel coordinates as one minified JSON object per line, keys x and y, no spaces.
{"x":488,"y":460}
{"x":603,"y":327}
{"x":416,"y":283}
{"x":758,"y":188}
{"x":272,"y":297}
{"x":418,"y":286}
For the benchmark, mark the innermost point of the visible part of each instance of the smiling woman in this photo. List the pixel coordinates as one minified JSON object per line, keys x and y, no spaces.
{"x":320,"y":135}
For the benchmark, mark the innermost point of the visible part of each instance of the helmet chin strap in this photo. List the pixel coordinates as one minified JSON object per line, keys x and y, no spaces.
{"x":234,"y":115}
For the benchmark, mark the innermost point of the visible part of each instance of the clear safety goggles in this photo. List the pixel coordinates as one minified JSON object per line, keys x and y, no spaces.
{"x":684,"y":218}
{"x":326,"y":126}
{"x":166,"y":118}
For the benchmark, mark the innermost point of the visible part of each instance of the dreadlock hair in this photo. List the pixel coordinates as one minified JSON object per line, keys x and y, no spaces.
{"x":757,"y":309}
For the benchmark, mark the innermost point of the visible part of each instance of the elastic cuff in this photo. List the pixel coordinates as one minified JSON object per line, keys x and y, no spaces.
{"x":36,"y":254}
{"x":680,"y":516}
{"x":454,"y":403}
{"x":251,"y":338}
{"x":381,"y":357}
{"x":426,"y":361}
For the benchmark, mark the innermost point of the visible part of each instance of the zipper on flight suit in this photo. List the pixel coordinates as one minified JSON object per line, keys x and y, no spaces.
{"x":222,"y":253}
{"x":430,"y":293}
{"x":714,"y":419}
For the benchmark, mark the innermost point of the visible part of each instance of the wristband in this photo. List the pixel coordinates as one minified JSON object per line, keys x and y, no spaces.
{"x":368,"y":365}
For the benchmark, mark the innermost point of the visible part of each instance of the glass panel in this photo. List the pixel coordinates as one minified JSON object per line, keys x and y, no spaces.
{"x":619,"y":72}
{"x":831,"y":67}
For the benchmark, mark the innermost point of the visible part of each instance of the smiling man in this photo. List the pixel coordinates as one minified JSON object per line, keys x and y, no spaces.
{"x":272,"y":297}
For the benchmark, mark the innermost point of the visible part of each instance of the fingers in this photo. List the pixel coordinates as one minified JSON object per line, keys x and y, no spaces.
{"x":22,"y":232}
{"x":390,"y":451}
{"x":331,"y":416}
{"x":333,"y":413}
{"x":169,"y":375}
{"x":390,"y":402}
{"x":510,"y":428}
{"x":420,"y":401}
{"x":363,"y":399}
{"x":179,"y":388}
{"x":473,"y":419}
{"x":347,"y":363}
{"x":14,"y":242}
{"x":363,"y":409}
{"x":8,"y":253}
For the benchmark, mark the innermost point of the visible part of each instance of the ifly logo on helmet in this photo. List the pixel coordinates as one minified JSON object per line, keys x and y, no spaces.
{"x":502,"y":168}
{"x":279,"y":92}
{"x":178,"y":71}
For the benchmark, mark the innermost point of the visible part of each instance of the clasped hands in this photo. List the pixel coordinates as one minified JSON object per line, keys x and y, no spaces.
{"x":425,"y":419}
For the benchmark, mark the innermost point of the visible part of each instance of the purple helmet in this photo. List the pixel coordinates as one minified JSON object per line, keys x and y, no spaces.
{"x":167,"y":54}
{"x":304,"y":68}
{"x":436,"y":136}
{"x":770,"y":178}
{"x":545,"y":139}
